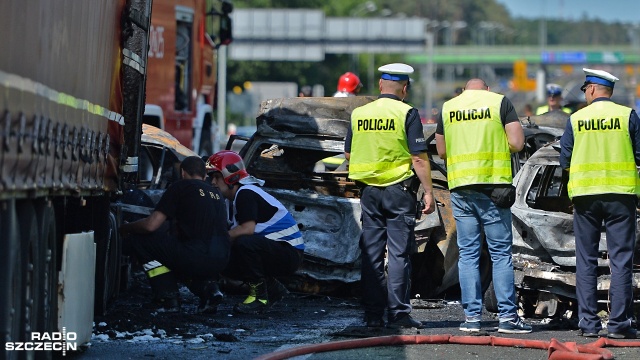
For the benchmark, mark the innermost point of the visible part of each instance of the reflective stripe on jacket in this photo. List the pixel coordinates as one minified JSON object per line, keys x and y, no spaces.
{"x":476,"y":142}
{"x":545,"y":109}
{"x":281,"y":227}
{"x":379,"y":151}
{"x":602,"y":161}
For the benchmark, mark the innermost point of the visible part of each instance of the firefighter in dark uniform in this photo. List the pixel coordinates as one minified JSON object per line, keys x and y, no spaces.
{"x":386,"y":149}
{"x":198,"y":248}
{"x":600,"y":148}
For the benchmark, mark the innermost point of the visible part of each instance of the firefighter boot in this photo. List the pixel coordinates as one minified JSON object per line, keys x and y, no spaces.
{"x":210,"y":300}
{"x":167,"y":302}
{"x":164,"y":286}
{"x":276,"y":291}
{"x":256,"y":302}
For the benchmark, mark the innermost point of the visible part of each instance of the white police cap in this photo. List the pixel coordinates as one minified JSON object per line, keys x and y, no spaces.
{"x":599,"y":77}
{"x":554,"y":89}
{"x":395,"y":71}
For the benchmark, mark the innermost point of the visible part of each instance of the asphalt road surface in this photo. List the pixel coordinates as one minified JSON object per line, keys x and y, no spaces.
{"x":132,"y":331}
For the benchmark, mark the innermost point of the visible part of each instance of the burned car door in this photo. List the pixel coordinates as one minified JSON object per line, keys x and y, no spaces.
{"x":544,"y":242}
{"x":290,"y":151}
{"x":158,"y":167}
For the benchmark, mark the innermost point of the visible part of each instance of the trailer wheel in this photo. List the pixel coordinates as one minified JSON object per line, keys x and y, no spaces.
{"x":30,"y":268}
{"x":115,"y":252}
{"x":490,"y":301}
{"x":10,"y":277}
{"x":486,"y":267}
{"x":48,"y":305}
{"x":107,"y":267}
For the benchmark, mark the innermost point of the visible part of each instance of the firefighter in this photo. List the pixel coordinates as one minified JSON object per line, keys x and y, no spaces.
{"x":554,"y":100}
{"x":600,"y":148}
{"x":387,"y":155}
{"x":348,"y":85}
{"x":265,"y":239}
{"x":198,"y":251}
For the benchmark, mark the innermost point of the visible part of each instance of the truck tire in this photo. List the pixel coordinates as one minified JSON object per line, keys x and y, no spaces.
{"x":48,"y":304}
{"x":10,"y":277}
{"x":107,"y":267}
{"x":31,"y":264}
{"x":490,"y":301}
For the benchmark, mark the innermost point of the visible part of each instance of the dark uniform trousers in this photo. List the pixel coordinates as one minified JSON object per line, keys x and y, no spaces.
{"x":388,"y":220}
{"x":618,"y":211}
{"x":254,"y":257}
{"x":193,"y":263}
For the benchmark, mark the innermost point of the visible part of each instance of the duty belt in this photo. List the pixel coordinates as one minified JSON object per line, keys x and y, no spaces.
{"x":412,"y":184}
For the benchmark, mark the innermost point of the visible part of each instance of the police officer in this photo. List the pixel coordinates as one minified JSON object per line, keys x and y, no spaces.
{"x":600,"y":148}
{"x":386,"y":149}
{"x":475,"y":135}
{"x":348,"y":85}
{"x":554,"y":100}
{"x":198,"y":248}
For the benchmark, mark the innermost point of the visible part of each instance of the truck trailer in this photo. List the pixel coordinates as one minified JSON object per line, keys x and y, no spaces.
{"x":72,"y":85}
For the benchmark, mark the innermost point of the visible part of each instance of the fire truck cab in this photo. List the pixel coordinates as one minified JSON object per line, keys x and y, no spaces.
{"x":181,"y":73}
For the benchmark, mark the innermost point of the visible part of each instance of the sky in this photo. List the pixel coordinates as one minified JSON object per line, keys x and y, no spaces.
{"x":627,"y":11}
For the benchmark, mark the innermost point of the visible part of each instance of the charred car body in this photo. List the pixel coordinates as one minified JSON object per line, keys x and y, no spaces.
{"x":543,"y":239}
{"x":293,"y":138}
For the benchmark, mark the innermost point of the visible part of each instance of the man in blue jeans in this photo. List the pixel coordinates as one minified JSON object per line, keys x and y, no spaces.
{"x":476,"y":134}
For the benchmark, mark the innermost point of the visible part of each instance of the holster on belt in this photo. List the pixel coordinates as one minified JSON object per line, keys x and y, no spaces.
{"x":412,"y":184}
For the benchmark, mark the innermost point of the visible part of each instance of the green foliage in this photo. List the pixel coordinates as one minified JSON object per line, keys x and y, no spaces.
{"x":506,"y":31}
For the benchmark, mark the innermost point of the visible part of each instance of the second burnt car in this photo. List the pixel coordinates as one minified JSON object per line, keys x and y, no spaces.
{"x":298,"y":150}
{"x":544,"y":255}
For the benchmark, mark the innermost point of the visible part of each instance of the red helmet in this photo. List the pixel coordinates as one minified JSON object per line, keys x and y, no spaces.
{"x":349,"y":82}
{"x":228,"y":163}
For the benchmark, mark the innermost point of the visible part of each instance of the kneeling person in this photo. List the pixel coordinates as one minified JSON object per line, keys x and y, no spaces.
{"x":196,"y":252}
{"x":265,"y":239}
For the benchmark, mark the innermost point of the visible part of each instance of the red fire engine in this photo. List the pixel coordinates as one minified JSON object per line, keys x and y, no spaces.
{"x":182,"y":71}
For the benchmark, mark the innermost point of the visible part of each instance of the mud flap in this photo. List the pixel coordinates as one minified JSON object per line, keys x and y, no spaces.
{"x":76,"y":286}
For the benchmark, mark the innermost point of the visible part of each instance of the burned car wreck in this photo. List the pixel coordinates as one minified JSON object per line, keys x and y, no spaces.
{"x":540,"y":130}
{"x":543,"y":240}
{"x":290,"y":150}
{"x":159,"y":166}
{"x":294,"y":139}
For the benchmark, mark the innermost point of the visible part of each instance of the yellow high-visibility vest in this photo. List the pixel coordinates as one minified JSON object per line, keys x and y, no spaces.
{"x":602,"y":161}
{"x":476,"y":143}
{"x":379,"y":152}
{"x":545,"y":109}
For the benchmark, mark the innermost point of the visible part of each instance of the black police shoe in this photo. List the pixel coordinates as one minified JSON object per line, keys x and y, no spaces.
{"x":591,"y":334}
{"x":374,"y":321}
{"x":629,"y":333}
{"x":405,"y":321}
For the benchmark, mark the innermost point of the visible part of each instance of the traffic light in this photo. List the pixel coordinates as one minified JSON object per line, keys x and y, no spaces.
{"x":225,"y":23}
{"x":225,"y":36}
